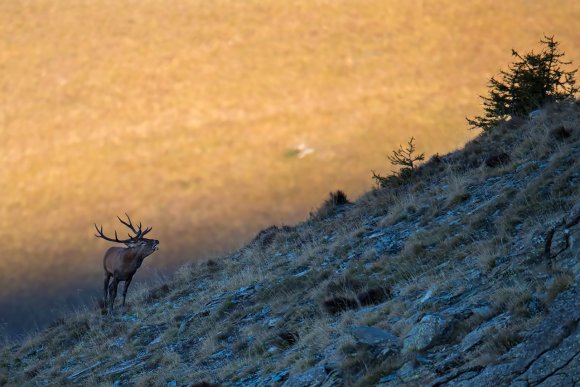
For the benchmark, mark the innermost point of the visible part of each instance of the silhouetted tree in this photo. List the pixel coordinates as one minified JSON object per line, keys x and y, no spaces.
{"x":531,"y":81}
{"x":406,"y":158}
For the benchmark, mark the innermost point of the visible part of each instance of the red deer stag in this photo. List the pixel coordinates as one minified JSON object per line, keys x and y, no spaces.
{"x":121,"y":263}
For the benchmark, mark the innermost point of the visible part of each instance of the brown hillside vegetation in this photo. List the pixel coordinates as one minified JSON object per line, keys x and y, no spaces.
{"x":190,"y":115}
{"x":446,"y":279}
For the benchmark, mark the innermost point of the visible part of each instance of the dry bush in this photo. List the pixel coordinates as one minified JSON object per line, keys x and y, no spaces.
{"x":338,"y":304}
{"x":336,"y":201}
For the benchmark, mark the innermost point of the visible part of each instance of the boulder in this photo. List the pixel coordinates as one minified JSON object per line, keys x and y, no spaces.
{"x":374,"y":337}
{"x":425,"y":333}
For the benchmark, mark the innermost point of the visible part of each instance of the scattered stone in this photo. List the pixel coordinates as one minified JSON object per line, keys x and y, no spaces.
{"x":185,"y":322}
{"x":129,"y":318}
{"x":273,"y":321}
{"x":389,"y":379}
{"x":155,"y":340}
{"x":302,"y":273}
{"x":123,"y":366}
{"x":119,"y":342}
{"x":423,"y":359}
{"x":223,"y":354}
{"x":280,"y":376}
{"x":84,"y":372}
{"x":389,"y":244}
{"x":427,"y":296}
{"x":244,"y":293}
{"x":375,"y":235}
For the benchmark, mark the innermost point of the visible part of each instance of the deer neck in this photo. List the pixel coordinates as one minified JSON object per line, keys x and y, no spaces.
{"x":137,"y":255}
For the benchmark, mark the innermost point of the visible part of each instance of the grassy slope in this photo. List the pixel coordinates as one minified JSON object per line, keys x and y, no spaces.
{"x":182,"y":113}
{"x":467,"y":234}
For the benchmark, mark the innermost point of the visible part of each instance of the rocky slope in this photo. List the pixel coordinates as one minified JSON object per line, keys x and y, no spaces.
{"x":466,"y":274}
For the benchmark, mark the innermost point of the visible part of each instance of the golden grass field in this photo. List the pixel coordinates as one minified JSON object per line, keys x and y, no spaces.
{"x":185,"y":114}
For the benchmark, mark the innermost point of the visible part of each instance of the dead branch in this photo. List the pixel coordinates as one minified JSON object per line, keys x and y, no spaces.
{"x":566,"y":226}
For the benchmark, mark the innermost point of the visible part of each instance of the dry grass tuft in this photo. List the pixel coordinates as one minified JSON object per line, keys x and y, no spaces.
{"x":562,"y":281}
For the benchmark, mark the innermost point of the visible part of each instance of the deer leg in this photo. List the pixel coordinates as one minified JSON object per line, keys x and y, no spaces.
{"x":112,"y":293}
{"x":127,"y":283}
{"x":107,"y":279}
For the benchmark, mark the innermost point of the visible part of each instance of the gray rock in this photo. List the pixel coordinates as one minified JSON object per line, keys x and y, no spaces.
{"x":549,"y":356}
{"x":409,"y":374}
{"x":125,"y":365}
{"x":128,"y":318}
{"x":562,"y":360}
{"x":483,"y":310}
{"x":425,"y":333}
{"x":390,"y":379}
{"x":381,"y":343}
{"x":312,"y":377}
{"x":477,"y":335}
{"x":244,"y":293}
{"x":535,"y":114}
{"x":459,"y":311}
{"x":84,"y":372}
{"x":280,"y":376}
{"x":372,"y":336}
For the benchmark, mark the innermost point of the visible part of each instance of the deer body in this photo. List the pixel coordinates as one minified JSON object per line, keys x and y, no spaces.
{"x":121,"y":263}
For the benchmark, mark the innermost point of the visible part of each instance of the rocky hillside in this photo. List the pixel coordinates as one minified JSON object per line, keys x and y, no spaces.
{"x":464,"y":274}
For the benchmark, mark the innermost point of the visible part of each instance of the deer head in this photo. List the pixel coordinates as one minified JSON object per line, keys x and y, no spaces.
{"x":136,"y":241}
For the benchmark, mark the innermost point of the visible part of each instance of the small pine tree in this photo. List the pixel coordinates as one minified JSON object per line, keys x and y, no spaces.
{"x":404,"y":157}
{"x":533,"y":80}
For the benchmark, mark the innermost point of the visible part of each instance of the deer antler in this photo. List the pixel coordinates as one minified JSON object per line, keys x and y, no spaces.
{"x":139,"y":233}
{"x":103,"y":236}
